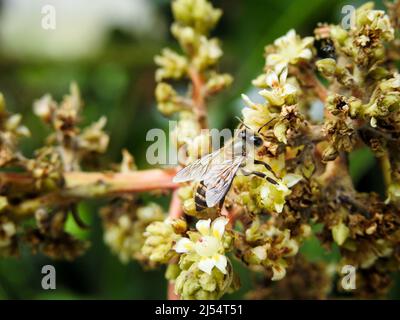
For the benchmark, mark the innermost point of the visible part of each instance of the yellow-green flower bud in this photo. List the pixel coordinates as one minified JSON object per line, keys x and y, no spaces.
{"x":199,"y":14}
{"x":3,"y":203}
{"x":208,"y":53}
{"x":327,"y":66}
{"x":339,"y":34}
{"x":394,"y":193}
{"x":168,"y":99}
{"x":160,"y":238}
{"x":189,"y":207}
{"x":186,"y":36}
{"x":179,"y":225}
{"x":8,"y":230}
{"x":280,"y":132}
{"x":172,"y":65}
{"x":340,"y":232}
{"x":218,"y":82}
{"x":279,"y":270}
{"x":194,"y":284}
{"x":185,"y":192}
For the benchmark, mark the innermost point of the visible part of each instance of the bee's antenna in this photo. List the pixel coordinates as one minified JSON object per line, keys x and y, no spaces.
{"x":265,"y":124}
{"x":241,"y":121}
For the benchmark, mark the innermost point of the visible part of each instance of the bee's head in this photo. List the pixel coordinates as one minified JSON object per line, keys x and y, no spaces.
{"x":250,"y":137}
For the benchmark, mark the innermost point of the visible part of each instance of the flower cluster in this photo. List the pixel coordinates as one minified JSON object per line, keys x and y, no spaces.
{"x":259,"y":195}
{"x":11,"y":131}
{"x":194,"y":19}
{"x":203,"y":254}
{"x":125,"y":223}
{"x":299,"y":186}
{"x":296,"y":284}
{"x":40,"y":196}
{"x":74,"y":145}
{"x":306,"y":179}
{"x":160,"y":238}
{"x":266,"y":247}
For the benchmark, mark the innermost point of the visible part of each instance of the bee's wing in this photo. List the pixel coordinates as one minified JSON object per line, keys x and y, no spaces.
{"x":219,"y":180}
{"x":197,"y":170}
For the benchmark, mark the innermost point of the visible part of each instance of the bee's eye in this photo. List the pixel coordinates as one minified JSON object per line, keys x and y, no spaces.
{"x":256,"y":140}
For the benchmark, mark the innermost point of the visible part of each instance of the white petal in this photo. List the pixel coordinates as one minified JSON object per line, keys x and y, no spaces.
{"x":280,"y":42}
{"x":307,"y":41}
{"x":248,"y":113}
{"x":305,"y":54}
{"x":280,"y":66}
{"x":247,"y":101}
{"x":264,"y":191}
{"x":291,"y":35}
{"x":183,"y":245}
{"x":291,"y":179}
{"x":281,"y":187}
{"x":272,"y":79}
{"x":260,"y":252}
{"x":206,"y":265}
{"x":279,"y":207}
{"x":278,"y":273}
{"x":289,"y":89}
{"x":220,"y":262}
{"x":283,"y":75}
{"x":273,"y":59}
{"x":218,"y":227}
{"x":203,"y":226}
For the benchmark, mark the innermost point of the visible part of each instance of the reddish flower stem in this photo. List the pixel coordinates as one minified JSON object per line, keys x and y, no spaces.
{"x":199,"y":106}
{"x":136,"y":181}
{"x":81,"y":185}
{"x":171,"y":295}
{"x":175,"y":206}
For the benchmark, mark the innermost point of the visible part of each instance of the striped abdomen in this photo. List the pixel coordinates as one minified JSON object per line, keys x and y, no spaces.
{"x":200,"y":197}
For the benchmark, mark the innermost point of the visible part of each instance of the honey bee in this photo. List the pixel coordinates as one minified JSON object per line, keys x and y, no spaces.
{"x":216,"y":171}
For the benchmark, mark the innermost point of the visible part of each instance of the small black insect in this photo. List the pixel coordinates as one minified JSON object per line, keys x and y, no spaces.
{"x":325,"y":48}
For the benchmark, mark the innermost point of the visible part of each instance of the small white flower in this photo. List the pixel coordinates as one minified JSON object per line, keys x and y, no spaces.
{"x":273,"y":196}
{"x":43,"y":107}
{"x":290,"y":49}
{"x":279,"y":89}
{"x":209,"y":246}
{"x":255,"y":115}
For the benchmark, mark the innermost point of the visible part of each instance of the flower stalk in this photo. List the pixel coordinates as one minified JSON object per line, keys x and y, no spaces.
{"x":87,"y":185}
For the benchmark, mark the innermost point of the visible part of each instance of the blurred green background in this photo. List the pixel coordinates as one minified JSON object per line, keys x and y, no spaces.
{"x":107,"y":47}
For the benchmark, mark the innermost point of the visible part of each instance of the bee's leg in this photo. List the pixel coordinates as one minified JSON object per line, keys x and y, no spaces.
{"x":266,"y":165}
{"x":258,"y":174}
